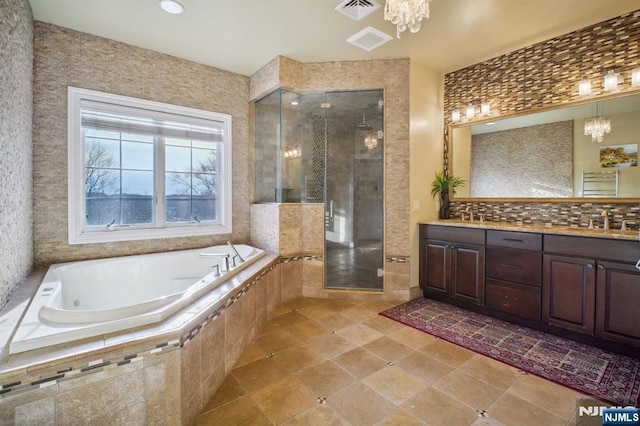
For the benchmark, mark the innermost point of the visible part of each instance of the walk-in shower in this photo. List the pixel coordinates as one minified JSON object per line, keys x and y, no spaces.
{"x":328,"y":148}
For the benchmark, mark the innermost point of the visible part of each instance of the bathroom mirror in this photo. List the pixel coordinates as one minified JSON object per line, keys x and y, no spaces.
{"x":547,"y":154}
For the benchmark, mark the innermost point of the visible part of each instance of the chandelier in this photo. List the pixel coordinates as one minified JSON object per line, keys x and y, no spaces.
{"x":597,"y":127}
{"x":371,"y":141}
{"x":406,"y":14}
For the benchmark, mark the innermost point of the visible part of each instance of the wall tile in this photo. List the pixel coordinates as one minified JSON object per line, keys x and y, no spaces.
{"x":291,"y":280}
{"x":162,"y":385}
{"x":190,"y":372}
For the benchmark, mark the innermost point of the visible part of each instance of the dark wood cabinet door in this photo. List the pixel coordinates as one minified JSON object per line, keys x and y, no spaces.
{"x":467,"y":273}
{"x":437,"y":264}
{"x":568,"y":288}
{"x":618,"y":304}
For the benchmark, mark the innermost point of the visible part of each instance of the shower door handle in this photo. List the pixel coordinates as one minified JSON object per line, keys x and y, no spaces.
{"x":330,"y":210}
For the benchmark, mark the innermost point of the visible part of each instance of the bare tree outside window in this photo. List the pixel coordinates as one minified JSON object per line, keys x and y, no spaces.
{"x":99,"y":179}
{"x":203,"y":181}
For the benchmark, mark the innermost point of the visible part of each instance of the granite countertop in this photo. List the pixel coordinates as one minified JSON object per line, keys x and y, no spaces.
{"x":539,"y":228}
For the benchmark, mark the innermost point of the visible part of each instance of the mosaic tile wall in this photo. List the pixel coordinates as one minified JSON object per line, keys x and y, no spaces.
{"x":543,"y":75}
{"x":16,"y":110}
{"x":576,"y":214}
{"x":64,"y":58}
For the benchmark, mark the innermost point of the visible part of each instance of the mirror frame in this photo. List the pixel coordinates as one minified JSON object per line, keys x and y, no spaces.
{"x":448,"y":141}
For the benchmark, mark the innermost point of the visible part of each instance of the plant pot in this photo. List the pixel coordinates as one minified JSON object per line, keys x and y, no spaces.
{"x":445,"y":205}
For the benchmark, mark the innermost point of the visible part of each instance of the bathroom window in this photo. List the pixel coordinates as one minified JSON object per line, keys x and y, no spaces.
{"x":140,"y":169}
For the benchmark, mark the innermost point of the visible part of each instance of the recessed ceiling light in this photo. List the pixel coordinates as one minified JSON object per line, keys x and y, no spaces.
{"x":171,"y":6}
{"x":491,"y":123}
{"x":294,"y":103}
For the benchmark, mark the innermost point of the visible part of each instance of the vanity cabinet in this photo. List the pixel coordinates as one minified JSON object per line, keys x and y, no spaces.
{"x":581,"y":287}
{"x":452,"y":263}
{"x":513,"y":273}
{"x":591,"y":286}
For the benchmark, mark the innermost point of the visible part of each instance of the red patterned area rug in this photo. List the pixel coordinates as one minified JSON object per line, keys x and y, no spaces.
{"x":608,"y":376}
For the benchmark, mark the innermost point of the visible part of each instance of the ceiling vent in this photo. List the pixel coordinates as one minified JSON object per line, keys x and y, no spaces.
{"x":357,"y":9}
{"x":369,"y":39}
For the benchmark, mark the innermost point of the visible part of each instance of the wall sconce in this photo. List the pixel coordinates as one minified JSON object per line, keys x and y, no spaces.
{"x":455,"y":116}
{"x":294,"y":152}
{"x":611,"y":81}
{"x":584,"y":88}
{"x":471,"y":112}
{"x":635,"y":77}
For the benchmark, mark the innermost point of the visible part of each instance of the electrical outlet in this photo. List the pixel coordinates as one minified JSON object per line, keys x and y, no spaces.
{"x":416,"y":206}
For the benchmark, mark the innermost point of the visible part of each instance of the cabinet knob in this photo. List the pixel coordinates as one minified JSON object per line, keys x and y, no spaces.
{"x":600,"y":266}
{"x":590,"y":265}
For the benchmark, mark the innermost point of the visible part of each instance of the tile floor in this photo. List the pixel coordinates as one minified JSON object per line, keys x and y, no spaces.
{"x":354,"y":267}
{"x":337,"y":362}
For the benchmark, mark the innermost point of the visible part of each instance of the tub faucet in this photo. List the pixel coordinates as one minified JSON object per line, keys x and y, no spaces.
{"x":224,"y":256}
{"x":605,"y":215}
{"x":236,"y":252}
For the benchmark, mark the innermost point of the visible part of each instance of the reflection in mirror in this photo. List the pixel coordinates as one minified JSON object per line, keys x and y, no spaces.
{"x":548,"y":154}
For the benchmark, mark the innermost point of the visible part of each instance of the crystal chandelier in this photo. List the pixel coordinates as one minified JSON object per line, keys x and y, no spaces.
{"x":406,"y":14}
{"x":597,"y":127}
{"x":371,"y":141}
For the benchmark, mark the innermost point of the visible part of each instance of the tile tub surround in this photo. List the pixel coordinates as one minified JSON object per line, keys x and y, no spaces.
{"x":69,"y":58}
{"x":570,"y":214}
{"x":16,"y":177}
{"x":163,"y":373}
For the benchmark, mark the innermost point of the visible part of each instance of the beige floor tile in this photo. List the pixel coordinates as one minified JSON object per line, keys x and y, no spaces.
{"x":491,"y":371}
{"x":553,"y":397}
{"x":338,"y":305}
{"x":360,"y":362}
{"x":400,"y":417}
{"x":472,"y":391}
{"x":298,"y":358}
{"x":388,"y":349}
{"x":258,"y":374}
{"x":268,"y":328}
{"x":438,"y":408}
{"x":320,"y":415}
{"x":384,"y":325}
{"x":377,"y":306}
{"x":487,"y":421}
{"x":276,"y":341}
{"x":511,"y":410}
{"x":395,"y":384}
{"x":307,"y":331}
{"x":330,"y":345}
{"x":358,"y":313}
{"x":447,"y":352}
{"x":253,"y":352}
{"x":337,"y":321}
{"x":317,"y":311}
{"x":360,"y":405}
{"x":243,"y":411}
{"x":230,"y":390}
{"x":359,"y":334}
{"x":424,"y":367}
{"x":413,"y":338}
{"x":326,"y":378}
{"x":289,"y":319}
{"x":284,"y":399}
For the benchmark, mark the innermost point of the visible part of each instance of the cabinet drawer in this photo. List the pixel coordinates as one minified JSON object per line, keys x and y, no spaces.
{"x":594,"y":248}
{"x":521,"y":240}
{"x":522,"y":301}
{"x":453,"y":234}
{"x":522,"y":267}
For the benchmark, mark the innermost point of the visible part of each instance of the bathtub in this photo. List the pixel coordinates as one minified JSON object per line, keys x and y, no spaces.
{"x":90,"y":298}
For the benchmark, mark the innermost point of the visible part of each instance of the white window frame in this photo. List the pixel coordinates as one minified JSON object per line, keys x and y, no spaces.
{"x":80,"y":233}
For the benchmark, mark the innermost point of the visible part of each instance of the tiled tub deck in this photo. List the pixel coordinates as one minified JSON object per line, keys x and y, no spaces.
{"x":163,"y":374}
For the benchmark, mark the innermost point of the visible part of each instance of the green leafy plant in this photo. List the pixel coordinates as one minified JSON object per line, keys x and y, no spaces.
{"x":445,"y":183}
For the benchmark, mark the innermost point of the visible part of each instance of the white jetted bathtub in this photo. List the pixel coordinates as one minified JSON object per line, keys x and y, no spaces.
{"x":89,"y":298}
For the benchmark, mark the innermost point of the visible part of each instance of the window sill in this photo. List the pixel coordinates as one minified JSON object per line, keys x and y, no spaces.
{"x":124,"y":234}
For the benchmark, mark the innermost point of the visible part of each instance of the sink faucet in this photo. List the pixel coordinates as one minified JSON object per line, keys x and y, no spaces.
{"x":468,"y":210}
{"x":624,"y":227}
{"x":605,"y":215}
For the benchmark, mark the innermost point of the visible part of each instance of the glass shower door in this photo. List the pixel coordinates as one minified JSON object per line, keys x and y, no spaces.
{"x":354,"y":183}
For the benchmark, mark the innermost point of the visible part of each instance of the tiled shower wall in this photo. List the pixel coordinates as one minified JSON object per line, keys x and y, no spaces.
{"x":16,"y":110}
{"x":64,"y":58}
{"x":543,"y":75}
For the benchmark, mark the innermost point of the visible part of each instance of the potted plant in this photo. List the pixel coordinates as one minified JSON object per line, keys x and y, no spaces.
{"x":442,"y":184}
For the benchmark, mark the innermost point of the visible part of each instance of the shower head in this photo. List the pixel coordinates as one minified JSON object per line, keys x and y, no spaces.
{"x":363,"y":125}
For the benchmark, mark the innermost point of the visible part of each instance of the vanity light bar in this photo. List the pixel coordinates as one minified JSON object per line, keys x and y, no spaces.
{"x":484,"y":109}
